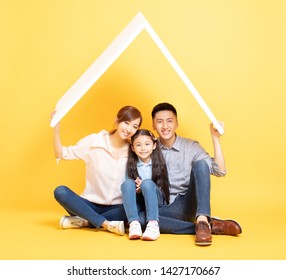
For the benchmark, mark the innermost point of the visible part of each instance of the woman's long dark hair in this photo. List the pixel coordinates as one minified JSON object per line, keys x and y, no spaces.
{"x":159,"y":168}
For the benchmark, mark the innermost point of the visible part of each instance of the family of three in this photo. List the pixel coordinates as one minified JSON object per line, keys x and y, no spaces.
{"x":151,"y":185}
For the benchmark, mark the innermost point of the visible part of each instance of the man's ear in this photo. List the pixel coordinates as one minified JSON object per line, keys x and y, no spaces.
{"x":177,"y":122}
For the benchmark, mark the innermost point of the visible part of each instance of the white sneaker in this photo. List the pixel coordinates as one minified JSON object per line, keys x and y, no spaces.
{"x":117,"y":227}
{"x":135,"y":231}
{"x":68,"y":222}
{"x":152,"y":231}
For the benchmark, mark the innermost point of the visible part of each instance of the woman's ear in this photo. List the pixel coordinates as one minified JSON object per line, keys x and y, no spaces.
{"x":115,"y":122}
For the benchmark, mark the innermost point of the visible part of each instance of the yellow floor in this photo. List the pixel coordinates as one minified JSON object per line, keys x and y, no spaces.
{"x":33,"y":235}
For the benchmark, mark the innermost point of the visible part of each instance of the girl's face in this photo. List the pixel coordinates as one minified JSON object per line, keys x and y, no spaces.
{"x":127,"y":129}
{"x":143,"y":147}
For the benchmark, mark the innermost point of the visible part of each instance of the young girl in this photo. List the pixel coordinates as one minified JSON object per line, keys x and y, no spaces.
{"x":105,"y":155}
{"x":147,"y":185}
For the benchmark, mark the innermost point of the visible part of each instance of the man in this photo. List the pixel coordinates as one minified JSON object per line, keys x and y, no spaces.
{"x":189,"y":167}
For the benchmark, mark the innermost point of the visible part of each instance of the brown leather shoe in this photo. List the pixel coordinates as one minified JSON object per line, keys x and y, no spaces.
{"x":227,"y":227}
{"x":203,"y":234}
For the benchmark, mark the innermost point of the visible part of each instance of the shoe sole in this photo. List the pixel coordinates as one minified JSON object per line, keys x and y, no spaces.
{"x":133,"y":237}
{"x":148,"y":239}
{"x":230,"y":221}
{"x":203,"y":243}
{"x":145,"y":238}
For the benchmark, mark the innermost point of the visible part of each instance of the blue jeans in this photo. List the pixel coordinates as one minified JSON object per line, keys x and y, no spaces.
{"x":147,"y":200}
{"x":170,"y":225}
{"x":179,"y":216}
{"x":94,"y":213}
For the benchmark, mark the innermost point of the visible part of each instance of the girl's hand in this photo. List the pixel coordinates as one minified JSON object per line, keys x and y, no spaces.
{"x":138,"y":182}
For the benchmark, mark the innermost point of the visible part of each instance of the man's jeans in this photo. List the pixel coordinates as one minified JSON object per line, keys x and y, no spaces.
{"x":147,"y":200}
{"x":96,"y":214}
{"x":179,"y":217}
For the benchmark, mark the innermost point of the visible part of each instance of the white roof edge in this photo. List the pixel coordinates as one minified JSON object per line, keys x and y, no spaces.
{"x":109,"y":55}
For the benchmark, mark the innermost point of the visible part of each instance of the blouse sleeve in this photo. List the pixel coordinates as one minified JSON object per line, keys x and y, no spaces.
{"x":78,"y":151}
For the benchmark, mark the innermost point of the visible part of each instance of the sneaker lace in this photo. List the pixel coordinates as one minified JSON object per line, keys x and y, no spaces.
{"x":134,"y":226}
{"x":151,"y":227}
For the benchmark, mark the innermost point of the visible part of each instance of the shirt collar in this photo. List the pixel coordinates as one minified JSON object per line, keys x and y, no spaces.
{"x":101,"y":140}
{"x":176,"y":145}
{"x":141,"y":163}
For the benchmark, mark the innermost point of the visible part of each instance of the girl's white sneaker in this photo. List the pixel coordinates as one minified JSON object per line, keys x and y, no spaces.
{"x":135,"y":231}
{"x":152,"y":231}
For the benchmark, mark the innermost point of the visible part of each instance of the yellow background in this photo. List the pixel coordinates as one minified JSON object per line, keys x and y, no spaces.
{"x":232,"y":51}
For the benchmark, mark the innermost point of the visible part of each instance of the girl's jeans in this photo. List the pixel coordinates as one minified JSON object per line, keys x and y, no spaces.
{"x":147,"y":200}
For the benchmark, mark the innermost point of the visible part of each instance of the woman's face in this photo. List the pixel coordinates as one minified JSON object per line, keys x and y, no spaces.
{"x":127,"y":129}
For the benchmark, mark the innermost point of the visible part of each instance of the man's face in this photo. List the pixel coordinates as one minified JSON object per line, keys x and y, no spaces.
{"x":165,"y":123}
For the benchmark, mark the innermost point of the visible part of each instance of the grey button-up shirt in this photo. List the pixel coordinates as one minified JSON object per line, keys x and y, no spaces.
{"x":179,"y":160}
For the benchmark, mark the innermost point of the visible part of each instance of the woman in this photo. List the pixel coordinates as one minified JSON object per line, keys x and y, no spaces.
{"x":105,"y":154}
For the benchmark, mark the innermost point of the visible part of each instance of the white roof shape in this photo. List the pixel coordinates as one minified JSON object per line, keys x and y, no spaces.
{"x":109,"y":55}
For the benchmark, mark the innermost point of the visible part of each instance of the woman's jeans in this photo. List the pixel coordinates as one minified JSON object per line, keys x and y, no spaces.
{"x":147,"y":200}
{"x":94,"y":213}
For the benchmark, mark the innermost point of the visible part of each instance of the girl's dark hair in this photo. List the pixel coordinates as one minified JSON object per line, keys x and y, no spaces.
{"x":128,"y":113}
{"x":159,"y":168}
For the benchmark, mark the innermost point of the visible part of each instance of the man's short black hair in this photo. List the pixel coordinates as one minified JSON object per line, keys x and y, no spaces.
{"x":163,"y":107}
